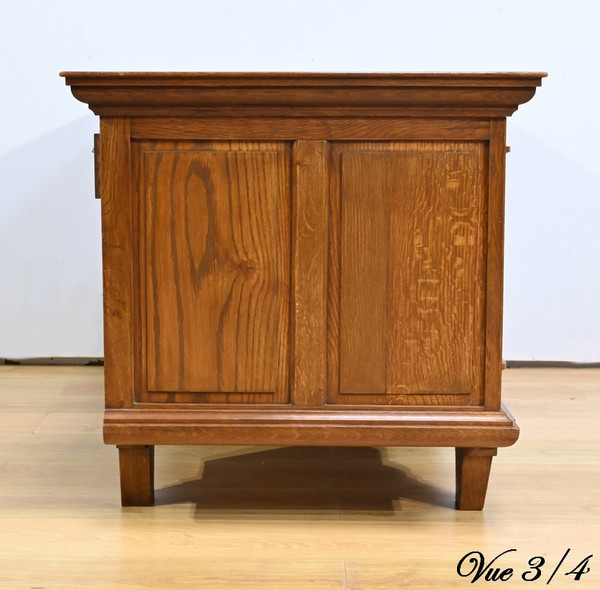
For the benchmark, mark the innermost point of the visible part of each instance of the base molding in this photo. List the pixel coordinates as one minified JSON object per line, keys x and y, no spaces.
{"x":318,"y":427}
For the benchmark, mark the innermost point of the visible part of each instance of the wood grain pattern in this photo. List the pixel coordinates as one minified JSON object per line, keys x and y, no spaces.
{"x":495,"y":264}
{"x":233,"y":517}
{"x":118,"y":246}
{"x":472,"y":475}
{"x":411,"y":280}
{"x":217,"y":258}
{"x":309,"y":349}
{"x":136,"y":469}
{"x":334,"y":128}
{"x":495,"y":80}
{"x":366,"y":195}
{"x":297,"y":94}
{"x":455,"y":427}
{"x":232,"y":281}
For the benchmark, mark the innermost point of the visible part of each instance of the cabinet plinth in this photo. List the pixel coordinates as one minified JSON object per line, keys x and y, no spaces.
{"x":303,"y":259}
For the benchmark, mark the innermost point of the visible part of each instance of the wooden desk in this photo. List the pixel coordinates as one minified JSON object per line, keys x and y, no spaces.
{"x":303,"y":259}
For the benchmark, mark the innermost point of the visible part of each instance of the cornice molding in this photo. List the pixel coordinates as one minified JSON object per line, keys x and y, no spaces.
{"x":302,"y":94}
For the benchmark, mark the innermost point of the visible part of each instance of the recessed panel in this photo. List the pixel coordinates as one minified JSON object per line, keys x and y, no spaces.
{"x":411,"y":270}
{"x":217,"y":273}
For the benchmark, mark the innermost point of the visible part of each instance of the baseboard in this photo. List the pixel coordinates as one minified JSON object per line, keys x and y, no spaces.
{"x":550,"y":365}
{"x":77,"y":361}
{"x":99,"y":362}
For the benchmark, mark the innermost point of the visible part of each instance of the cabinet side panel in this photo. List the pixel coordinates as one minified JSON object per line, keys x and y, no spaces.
{"x":217,"y":273}
{"x":411,"y":272}
{"x":117,"y":262}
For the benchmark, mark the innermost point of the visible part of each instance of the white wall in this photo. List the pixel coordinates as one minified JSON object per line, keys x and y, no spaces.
{"x":50,"y":289}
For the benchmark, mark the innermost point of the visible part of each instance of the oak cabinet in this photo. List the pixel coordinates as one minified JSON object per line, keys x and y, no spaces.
{"x":303,"y":259}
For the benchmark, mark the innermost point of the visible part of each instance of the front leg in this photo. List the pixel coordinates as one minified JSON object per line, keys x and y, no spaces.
{"x":472,"y":474}
{"x":136,"y":466}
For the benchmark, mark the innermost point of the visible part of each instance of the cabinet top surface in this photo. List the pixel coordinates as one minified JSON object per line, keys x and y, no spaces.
{"x":303,"y":94}
{"x":301,"y":78}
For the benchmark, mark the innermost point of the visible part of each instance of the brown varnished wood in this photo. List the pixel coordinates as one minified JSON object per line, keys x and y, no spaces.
{"x":109,"y":94}
{"x":308,"y":79}
{"x":412,"y":272}
{"x":472,"y":474}
{"x":363,"y":273}
{"x":333,"y":128}
{"x":435,"y":271}
{"x":304,"y":259}
{"x":303,"y":434}
{"x":495,"y":264}
{"x":309,"y":301}
{"x":136,"y":466}
{"x":217,"y":270}
{"x":118,"y":247}
{"x":462,"y":427}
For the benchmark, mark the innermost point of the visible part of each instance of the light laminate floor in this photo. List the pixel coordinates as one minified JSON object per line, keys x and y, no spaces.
{"x":289,"y":518}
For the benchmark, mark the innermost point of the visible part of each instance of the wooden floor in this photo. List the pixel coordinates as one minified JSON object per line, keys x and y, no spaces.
{"x":286,"y":518}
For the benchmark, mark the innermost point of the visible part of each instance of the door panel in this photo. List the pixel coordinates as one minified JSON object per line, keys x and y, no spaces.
{"x":217,"y":272}
{"x":406,"y":306}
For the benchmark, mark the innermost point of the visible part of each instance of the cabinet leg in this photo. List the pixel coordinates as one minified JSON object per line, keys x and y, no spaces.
{"x":136,"y":465}
{"x":472,"y":474}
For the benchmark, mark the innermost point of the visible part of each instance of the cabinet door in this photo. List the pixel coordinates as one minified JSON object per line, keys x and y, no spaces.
{"x":215,"y":270}
{"x":406,"y":283}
